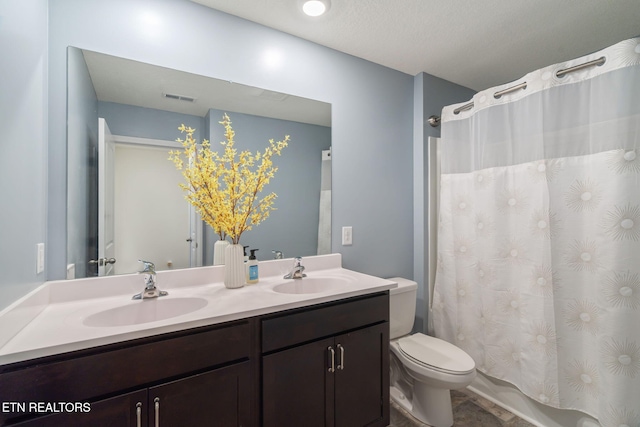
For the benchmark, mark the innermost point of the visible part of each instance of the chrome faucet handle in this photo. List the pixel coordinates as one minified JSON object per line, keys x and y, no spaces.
{"x":277,"y":254}
{"x":150,"y":289}
{"x":149,"y":267}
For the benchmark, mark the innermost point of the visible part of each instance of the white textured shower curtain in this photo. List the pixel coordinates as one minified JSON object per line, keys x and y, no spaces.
{"x":538,"y":275}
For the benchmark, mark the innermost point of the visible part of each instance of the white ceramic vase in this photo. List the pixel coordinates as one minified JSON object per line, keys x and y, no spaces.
{"x":234,"y":274}
{"x":218,"y":252}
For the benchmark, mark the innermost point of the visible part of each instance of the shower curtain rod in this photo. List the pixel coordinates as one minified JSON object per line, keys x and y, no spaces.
{"x":434,"y":121}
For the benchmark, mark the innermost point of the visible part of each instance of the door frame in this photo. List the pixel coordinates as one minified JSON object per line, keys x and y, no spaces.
{"x":106,"y":231}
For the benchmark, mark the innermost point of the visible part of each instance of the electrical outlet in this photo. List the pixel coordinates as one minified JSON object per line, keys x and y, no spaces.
{"x":40,"y":258}
{"x":347,"y":236}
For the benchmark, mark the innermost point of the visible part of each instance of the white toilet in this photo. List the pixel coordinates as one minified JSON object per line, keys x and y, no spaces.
{"x":423,"y":369}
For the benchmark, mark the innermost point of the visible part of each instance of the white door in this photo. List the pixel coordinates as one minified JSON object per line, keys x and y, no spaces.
{"x":152,"y":217}
{"x":151,"y":214}
{"x":106,"y":229}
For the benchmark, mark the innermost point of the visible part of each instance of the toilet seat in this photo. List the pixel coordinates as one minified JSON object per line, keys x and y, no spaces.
{"x":436,"y":354}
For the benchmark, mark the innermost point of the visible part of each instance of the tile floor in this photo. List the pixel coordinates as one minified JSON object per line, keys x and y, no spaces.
{"x":469,"y":410}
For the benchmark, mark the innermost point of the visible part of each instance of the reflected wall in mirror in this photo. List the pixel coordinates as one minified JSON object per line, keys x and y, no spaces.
{"x":145,"y":215}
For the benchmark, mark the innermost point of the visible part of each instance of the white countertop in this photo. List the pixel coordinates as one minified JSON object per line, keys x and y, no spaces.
{"x":50,"y":320}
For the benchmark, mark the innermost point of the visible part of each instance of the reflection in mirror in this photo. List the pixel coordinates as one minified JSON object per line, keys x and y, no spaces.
{"x":123,"y":199}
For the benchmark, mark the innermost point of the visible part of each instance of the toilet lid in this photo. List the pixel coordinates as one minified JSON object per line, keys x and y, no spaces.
{"x":436,"y":353}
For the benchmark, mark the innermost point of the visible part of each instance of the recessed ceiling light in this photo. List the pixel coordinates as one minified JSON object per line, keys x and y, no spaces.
{"x":315,"y":7}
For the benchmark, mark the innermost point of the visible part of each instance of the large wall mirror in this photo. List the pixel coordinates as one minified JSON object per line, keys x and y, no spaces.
{"x":123,"y":198}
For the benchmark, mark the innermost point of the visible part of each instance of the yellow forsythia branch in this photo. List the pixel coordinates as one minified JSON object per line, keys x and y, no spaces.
{"x":224,"y":188}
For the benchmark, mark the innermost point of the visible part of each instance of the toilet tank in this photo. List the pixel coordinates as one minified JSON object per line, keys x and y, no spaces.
{"x":402,"y":306}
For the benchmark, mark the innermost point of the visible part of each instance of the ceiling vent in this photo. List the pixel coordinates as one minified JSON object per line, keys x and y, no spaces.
{"x":179,"y":97}
{"x":272,"y":95}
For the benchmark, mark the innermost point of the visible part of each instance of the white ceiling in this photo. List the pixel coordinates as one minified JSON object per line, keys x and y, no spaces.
{"x":136,"y":83}
{"x":475,"y":43}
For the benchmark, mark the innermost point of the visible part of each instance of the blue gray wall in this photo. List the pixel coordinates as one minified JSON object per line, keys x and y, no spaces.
{"x":371,"y":110}
{"x":23,"y":138}
{"x":129,"y":120}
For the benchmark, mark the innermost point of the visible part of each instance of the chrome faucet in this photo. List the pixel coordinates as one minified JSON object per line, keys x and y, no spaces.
{"x":297,"y":270}
{"x":150,"y":290}
{"x":277,"y":254}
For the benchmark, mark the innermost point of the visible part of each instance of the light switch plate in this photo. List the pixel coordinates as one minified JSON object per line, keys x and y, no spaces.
{"x":40,"y":258}
{"x":71,"y":271}
{"x":347,"y":236}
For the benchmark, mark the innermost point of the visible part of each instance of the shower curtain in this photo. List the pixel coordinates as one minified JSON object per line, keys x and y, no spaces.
{"x":538,"y":264}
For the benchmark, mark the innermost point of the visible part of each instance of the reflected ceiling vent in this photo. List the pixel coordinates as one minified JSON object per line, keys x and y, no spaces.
{"x":179,"y":97}
{"x":274,"y":96}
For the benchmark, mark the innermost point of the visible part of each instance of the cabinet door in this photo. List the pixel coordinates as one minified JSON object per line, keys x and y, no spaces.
{"x":297,"y":387}
{"x":362,"y":377}
{"x":218,"y":398}
{"x":127,"y":410}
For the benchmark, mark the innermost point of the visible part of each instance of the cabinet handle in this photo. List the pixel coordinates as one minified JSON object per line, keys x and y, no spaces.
{"x":157,"y":406}
{"x":341,"y":364}
{"x":332,"y":359}
{"x":138,"y":414}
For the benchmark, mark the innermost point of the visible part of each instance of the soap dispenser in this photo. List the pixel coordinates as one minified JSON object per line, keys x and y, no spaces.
{"x":253,"y":268}
{"x":246,"y":263}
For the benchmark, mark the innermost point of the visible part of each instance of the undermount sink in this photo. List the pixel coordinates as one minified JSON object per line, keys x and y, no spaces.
{"x":145,"y":311}
{"x":311,"y":285}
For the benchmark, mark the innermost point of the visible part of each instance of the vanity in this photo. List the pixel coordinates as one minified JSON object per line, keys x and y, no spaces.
{"x":271,"y":354}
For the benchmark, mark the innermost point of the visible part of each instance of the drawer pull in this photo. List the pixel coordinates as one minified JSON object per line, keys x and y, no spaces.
{"x":138,"y":414}
{"x":157,"y":409}
{"x":341,"y":364}
{"x":332,"y":359}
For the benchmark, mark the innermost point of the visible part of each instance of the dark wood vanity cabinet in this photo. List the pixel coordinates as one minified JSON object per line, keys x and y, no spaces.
{"x":215,"y":398}
{"x":324,"y":365}
{"x":203,"y":377}
{"x":327,"y":366}
{"x":122,"y":410}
